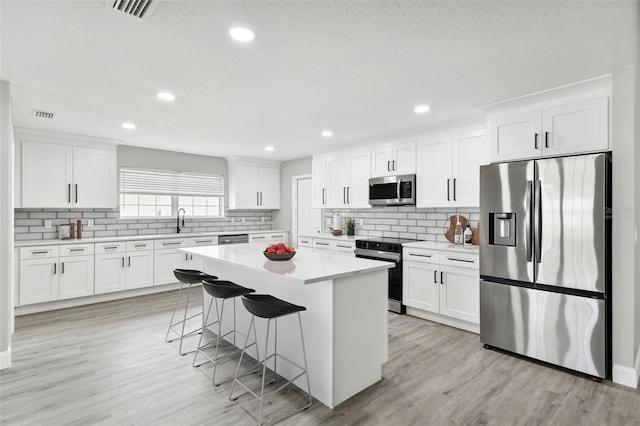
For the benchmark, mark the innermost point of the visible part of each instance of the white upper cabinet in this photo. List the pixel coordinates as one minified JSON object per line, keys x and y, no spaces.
{"x":347,"y":180}
{"x":394,"y":159}
{"x":55,"y":173}
{"x":254,"y":184}
{"x":448,"y":171}
{"x":550,"y":130}
{"x":319,"y":182}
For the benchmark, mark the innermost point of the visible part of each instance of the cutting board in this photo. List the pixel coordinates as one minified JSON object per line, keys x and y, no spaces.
{"x":450,"y":235}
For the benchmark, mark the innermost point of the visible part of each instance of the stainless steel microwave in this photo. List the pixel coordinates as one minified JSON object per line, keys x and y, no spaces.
{"x":392,"y":190}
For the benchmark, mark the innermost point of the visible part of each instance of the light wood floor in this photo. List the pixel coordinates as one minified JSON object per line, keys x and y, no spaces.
{"x":108,"y":364}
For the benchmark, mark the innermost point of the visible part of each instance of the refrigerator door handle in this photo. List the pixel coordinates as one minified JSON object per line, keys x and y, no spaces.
{"x":527,"y":220}
{"x":538,"y":221}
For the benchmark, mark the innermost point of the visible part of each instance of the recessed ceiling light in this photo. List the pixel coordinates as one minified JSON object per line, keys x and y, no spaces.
{"x":242,"y":34}
{"x":166,"y":96}
{"x":327,"y":133}
{"x":268,"y":148}
{"x":128,"y":125}
{"x":421,"y":109}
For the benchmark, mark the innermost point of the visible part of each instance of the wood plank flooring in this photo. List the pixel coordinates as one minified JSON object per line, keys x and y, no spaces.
{"x":108,"y":364}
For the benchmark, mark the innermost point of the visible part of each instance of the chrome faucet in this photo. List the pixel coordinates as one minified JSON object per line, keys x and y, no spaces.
{"x":178,"y":219}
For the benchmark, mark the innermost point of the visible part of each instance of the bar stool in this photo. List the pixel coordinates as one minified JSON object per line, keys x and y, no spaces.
{"x":269,"y":307}
{"x":221,"y":290}
{"x":187,"y":278}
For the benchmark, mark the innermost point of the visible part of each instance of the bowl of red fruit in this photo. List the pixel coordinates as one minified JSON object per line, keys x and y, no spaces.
{"x":279,"y":251}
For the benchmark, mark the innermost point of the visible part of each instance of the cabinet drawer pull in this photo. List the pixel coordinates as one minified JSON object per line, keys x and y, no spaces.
{"x":461,"y":260}
{"x":322,"y":244}
{"x":278,"y":236}
{"x":40,"y":252}
{"x":111,"y":247}
{"x":172,"y":244}
{"x":420,"y":255}
{"x":140,"y":245}
{"x":259,"y":238}
{"x":304,"y":241}
{"x":342,"y":246}
{"x":204,"y":241}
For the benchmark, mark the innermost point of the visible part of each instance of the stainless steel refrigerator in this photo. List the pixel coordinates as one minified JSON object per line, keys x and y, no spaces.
{"x":545,"y":288}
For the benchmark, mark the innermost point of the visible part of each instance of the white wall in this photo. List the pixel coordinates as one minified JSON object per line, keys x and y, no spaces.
{"x":301,"y":166}
{"x":6,"y":225}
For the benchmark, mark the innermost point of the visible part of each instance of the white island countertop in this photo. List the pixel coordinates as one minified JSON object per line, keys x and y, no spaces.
{"x":306,"y":267}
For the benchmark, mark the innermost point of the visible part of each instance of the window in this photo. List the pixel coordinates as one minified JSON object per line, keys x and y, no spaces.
{"x":160,"y":193}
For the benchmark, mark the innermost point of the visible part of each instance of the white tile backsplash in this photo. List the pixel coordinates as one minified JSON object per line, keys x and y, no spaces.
{"x":402,"y":222}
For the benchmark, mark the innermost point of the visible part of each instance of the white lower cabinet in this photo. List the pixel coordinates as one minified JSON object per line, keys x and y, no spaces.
{"x":76,"y":276}
{"x":49,"y":273}
{"x":442,"y":286}
{"x":331,"y":244}
{"x":123,"y":267}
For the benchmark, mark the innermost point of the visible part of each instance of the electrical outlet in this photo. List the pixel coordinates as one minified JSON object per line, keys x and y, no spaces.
{"x":263,"y":219}
{"x":47,"y":223}
{"x":90,"y":223}
{"x":233,"y":220}
{"x":361,"y":221}
{"x":243,"y":220}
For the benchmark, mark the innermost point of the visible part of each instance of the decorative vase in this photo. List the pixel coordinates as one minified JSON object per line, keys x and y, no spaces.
{"x":351,"y":231}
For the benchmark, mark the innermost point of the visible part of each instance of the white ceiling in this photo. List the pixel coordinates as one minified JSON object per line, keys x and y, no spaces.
{"x":357,"y":68}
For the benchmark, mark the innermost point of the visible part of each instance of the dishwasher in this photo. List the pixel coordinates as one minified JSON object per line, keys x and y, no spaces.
{"x":224,"y":240}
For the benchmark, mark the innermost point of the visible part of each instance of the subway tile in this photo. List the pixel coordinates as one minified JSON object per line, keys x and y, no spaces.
{"x":407,"y":222}
{"x":49,"y":235}
{"x":126,"y":233}
{"x":99,"y":234}
{"x":94,"y":214}
{"x":28,"y":222}
{"x":147,"y":231}
{"x":24,"y":237}
{"x":416,"y":215}
{"x":109,"y":221}
{"x":20,"y":229}
{"x":390,"y":234}
{"x":69,"y":215}
{"x":427,"y":222}
{"x":383,"y":228}
{"x":415,"y":229}
{"x":409,"y":235}
{"x":20,"y":215}
{"x":137,"y":226}
{"x":113,"y":215}
{"x":116,"y":227}
{"x":87,"y":234}
{"x":399,"y":228}
{"x":157,"y":225}
{"x":42,"y":215}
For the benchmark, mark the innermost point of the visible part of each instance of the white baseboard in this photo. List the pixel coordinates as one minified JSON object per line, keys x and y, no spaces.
{"x":451,"y":322}
{"x":627,"y":376}
{"x":5,"y":359}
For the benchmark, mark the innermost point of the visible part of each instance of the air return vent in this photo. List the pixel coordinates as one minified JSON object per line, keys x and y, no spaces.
{"x":42,"y":114}
{"x":137,"y":8}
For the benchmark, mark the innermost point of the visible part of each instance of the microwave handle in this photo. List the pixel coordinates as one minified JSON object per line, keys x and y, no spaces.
{"x":398,"y":189}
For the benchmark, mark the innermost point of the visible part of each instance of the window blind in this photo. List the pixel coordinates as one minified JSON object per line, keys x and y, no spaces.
{"x":166,"y":182}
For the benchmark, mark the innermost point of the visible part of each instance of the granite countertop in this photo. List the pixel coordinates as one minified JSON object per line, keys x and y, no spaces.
{"x":458,"y":248}
{"x":30,"y":243}
{"x":307,"y":267}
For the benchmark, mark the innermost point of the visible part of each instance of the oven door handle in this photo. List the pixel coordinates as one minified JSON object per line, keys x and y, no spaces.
{"x":360,"y":256}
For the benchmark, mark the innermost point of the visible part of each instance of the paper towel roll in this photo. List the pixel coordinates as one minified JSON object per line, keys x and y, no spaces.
{"x":337,"y":221}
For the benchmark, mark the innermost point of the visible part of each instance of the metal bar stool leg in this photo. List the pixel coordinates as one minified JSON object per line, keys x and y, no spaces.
{"x":173,"y":313}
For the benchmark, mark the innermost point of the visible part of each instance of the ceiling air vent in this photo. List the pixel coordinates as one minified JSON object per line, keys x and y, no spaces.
{"x":137,"y":8}
{"x":42,"y":114}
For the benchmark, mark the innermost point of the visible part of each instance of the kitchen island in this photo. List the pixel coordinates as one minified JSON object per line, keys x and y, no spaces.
{"x":345,"y":324}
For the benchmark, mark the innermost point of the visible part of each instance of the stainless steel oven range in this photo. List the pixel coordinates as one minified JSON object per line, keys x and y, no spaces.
{"x":389,"y":250}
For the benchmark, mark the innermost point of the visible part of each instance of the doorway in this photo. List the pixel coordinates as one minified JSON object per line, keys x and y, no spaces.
{"x":305,"y":219}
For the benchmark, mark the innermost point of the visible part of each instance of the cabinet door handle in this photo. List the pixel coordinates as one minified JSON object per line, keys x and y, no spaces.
{"x":324,"y":193}
{"x":69,"y":192}
{"x":535,"y":141}
{"x":546,"y":139}
{"x":257,"y":198}
{"x":448,"y":195}
{"x":393,"y":165}
{"x":454,"y":189}
{"x":344,"y":195}
{"x":55,"y":268}
{"x":122,"y":261}
{"x":441,"y":277}
{"x":62,"y":268}
{"x":304,"y":241}
{"x":186,"y":256}
{"x":388,"y":166}
{"x":262,"y":237}
{"x":461,"y":260}
{"x":322,"y":244}
{"x":435,"y":277}
{"x":128,"y":260}
{"x":260,"y":198}
{"x":202,"y":241}
{"x":348,"y":195}
{"x":76,"y":193}
{"x":343,"y":246}
{"x":190,"y":257}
